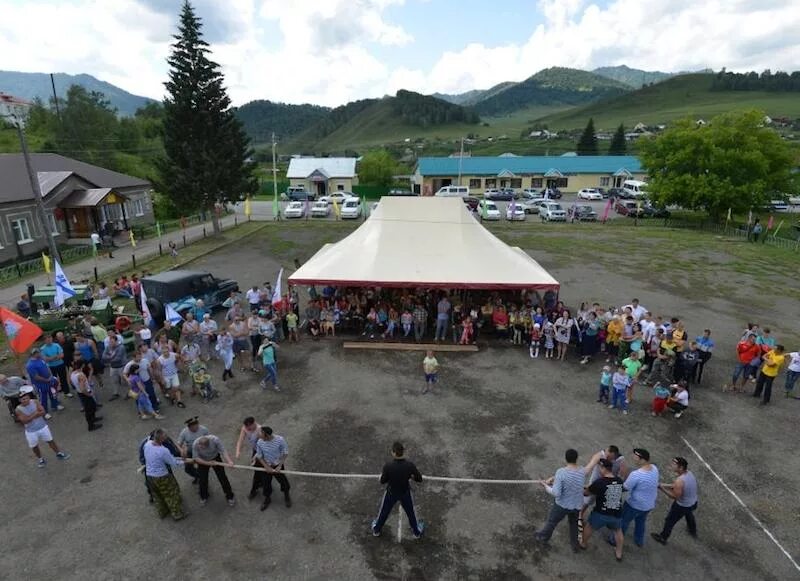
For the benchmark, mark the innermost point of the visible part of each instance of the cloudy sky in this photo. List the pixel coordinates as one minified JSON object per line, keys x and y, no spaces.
{"x":333,"y":51}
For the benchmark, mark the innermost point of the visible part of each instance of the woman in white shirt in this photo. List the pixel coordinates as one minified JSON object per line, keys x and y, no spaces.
{"x":563,"y":328}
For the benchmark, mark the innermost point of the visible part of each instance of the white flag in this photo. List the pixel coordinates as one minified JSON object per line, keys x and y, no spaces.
{"x":172,"y":315}
{"x":148,"y":316}
{"x":64,"y":289}
{"x":276,"y":294}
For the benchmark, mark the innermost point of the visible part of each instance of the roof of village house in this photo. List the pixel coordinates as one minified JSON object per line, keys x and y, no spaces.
{"x":52,"y":169}
{"x":334,"y":167}
{"x":527,"y":165}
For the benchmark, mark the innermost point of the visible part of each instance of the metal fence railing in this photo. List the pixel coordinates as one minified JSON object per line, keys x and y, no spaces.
{"x":70,"y":254}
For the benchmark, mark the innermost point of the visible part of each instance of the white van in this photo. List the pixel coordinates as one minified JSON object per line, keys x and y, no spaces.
{"x":635,"y":188}
{"x":453,"y":192}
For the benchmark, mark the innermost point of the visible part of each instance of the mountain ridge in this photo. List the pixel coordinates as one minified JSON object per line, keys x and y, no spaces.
{"x":30,"y":86}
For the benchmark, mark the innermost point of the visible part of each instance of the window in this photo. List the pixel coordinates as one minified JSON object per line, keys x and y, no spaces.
{"x":605,"y":181}
{"x":491,"y":183}
{"x":536,"y":182}
{"x":562,"y":182}
{"x":22,"y":232}
{"x":475,"y":183}
{"x":51,"y":221}
{"x":516,"y":183}
{"x":138,"y":207}
{"x":339,"y":187}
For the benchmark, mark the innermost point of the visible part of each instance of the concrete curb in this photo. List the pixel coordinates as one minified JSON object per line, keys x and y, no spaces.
{"x":181,"y":264}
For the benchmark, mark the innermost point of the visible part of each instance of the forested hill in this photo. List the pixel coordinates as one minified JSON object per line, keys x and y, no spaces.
{"x":406,"y":109}
{"x":752,"y":81}
{"x":553,"y":86}
{"x":425,"y":111}
{"x":263,"y":118}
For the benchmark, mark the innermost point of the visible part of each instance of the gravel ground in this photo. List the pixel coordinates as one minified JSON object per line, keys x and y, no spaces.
{"x":495,"y":414}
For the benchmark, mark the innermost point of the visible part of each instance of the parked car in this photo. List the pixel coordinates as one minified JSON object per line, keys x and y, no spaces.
{"x":471,"y":203}
{"x":499,"y":195}
{"x":615,"y":192}
{"x":582,"y":213}
{"x":488,"y":210}
{"x":320,"y":209}
{"x":532,"y":205}
{"x":514,"y":193}
{"x":339,"y":197}
{"x":180,"y":289}
{"x":778,"y":206}
{"x":401,"y":193}
{"x":589,"y":194}
{"x":452,"y":191}
{"x":603,"y":192}
{"x":551,"y":193}
{"x":295,"y":210}
{"x":626,"y":208}
{"x":300,"y":196}
{"x":529,"y":193}
{"x":515,"y":211}
{"x":552,"y":212}
{"x":351,"y":209}
{"x":651,"y":211}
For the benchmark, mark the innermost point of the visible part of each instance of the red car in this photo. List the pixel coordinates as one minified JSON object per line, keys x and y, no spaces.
{"x":625,"y":208}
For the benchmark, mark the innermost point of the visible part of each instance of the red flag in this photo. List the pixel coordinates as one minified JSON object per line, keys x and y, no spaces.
{"x":770,"y":222}
{"x":20,"y":332}
{"x":608,"y":209}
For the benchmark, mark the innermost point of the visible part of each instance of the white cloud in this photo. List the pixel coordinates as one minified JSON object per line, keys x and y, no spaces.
{"x":325,"y":51}
{"x":669,"y":35}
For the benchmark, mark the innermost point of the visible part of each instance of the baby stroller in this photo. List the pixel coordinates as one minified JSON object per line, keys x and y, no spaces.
{"x":201,"y":382}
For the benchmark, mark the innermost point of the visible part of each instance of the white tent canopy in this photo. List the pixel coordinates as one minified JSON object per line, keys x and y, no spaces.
{"x":429,"y":242}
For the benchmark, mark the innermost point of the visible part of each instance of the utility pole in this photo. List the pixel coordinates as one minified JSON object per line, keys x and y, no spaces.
{"x":10,"y":108}
{"x":275,"y":179}
{"x":55,"y":97}
{"x":460,"y":159}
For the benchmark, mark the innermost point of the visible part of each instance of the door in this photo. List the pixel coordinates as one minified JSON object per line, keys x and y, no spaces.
{"x":80,"y":224}
{"x":321,"y":189}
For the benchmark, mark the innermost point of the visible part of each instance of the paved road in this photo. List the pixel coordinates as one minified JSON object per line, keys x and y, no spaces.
{"x":84,"y":269}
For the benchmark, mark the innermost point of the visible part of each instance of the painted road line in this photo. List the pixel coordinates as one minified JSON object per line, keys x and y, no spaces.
{"x":743,"y":505}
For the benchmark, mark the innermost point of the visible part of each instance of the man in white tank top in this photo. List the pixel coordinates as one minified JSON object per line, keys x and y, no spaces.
{"x":31,"y":414}
{"x":683,"y":491}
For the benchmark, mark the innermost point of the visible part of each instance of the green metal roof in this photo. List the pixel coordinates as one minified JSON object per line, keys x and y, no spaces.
{"x":527,"y":165}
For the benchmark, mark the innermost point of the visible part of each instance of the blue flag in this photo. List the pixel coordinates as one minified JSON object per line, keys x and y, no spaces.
{"x":64,"y":289}
{"x":172,"y":315}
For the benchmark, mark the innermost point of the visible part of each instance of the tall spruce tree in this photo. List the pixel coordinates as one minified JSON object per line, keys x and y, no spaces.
{"x":587,"y":145}
{"x":618,"y":144}
{"x":205,"y":145}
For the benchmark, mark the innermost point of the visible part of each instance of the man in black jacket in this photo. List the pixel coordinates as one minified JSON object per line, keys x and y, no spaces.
{"x":396,"y":475}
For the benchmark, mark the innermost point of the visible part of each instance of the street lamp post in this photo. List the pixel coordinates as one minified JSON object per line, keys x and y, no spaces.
{"x":13,"y":110}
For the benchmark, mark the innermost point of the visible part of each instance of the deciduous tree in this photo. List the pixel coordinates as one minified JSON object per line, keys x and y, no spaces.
{"x":376,"y":168}
{"x":733,"y":162}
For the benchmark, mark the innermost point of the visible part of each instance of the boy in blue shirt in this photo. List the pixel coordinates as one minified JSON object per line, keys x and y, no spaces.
{"x":605,"y":385}
{"x":621,"y":381}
